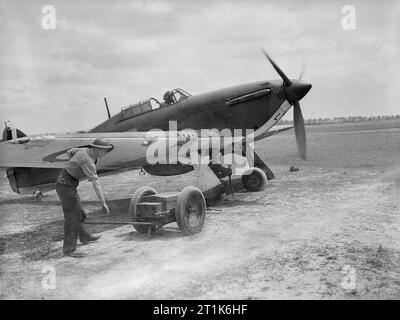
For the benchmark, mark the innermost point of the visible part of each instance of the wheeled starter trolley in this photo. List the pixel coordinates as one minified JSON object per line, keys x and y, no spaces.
{"x":187,"y":208}
{"x":150,"y":210}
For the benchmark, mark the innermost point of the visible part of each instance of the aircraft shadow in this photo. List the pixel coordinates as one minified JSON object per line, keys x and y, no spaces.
{"x":33,"y":201}
{"x":164,"y":234}
{"x":235,"y":202}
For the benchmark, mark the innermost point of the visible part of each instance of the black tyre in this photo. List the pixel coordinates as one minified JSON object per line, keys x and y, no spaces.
{"x":255,"y":181}
{"x":136,"y":198}
{"x":190,"y":210}
{"x":39,"y":196}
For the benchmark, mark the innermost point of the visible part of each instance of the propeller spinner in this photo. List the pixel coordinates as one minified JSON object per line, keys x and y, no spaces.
{"x":294,"y":90}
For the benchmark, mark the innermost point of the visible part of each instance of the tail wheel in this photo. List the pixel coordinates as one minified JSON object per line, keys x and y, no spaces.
{"x":38,"y":196}
{"x":255,"y":180}
{"x":135,"y":200}
{"x":190,"y":210}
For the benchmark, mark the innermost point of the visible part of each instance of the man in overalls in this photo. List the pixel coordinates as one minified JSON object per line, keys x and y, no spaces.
{"x":82,"y":164}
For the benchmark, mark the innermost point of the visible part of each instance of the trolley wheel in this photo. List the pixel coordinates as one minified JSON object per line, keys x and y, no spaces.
{"x":135,"y":200}
{"x":190,"y":210}
{"x":255,"y":180}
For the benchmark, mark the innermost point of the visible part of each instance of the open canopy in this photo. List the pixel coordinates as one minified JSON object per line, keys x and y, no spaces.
{"x":170,"y":97}
{"x":175,"y":95}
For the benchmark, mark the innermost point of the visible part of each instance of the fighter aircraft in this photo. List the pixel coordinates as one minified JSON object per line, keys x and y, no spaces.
{"x":258,"y":105}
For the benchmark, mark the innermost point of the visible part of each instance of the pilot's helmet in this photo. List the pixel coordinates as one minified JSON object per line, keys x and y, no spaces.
{"x":168,"y":97}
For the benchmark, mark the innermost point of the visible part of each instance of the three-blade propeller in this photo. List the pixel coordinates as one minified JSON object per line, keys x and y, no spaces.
{"x":294,"y":91}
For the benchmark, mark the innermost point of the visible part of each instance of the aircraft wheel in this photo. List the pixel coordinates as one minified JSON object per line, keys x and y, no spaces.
{"x":136,"y":198}
{"x":255,"y":181}
{"x":151,"y":231}
{"x":190,"y":210}
{"x":39,"y":196}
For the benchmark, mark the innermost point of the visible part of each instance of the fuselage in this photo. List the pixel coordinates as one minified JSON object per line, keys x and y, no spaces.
{"x":217,"y":109}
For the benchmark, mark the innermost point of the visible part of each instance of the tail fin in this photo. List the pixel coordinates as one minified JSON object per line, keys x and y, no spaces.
{"x":29,"y":180}
{"x":8,"y":133}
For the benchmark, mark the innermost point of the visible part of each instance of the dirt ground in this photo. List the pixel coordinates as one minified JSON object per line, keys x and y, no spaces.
{"x":329,"y":231}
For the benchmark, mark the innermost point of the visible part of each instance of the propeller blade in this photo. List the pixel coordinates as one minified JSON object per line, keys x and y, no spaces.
{"x":286,"y":80}
{"x":294,"y":91}
{"x":299,"y":129}
{"x":302,"y":71}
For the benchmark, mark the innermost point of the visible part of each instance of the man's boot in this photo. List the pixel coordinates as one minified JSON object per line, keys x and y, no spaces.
{"x":74,"y":254}
{"x":85,"y":236}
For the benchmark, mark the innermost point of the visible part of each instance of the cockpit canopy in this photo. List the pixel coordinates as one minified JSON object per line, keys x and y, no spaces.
{"x":136,"y":109}
{"x":175,"y":95}
{"x":170,"y":97}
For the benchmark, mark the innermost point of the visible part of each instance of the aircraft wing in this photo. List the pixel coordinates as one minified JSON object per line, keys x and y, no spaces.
{"x":49,"y":151}
{"x":130,"y":149}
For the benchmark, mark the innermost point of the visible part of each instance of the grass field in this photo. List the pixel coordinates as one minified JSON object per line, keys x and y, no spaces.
{"x":329,"y":231}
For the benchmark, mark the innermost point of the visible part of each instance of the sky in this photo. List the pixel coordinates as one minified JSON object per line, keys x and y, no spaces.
{"x":54,"y":80}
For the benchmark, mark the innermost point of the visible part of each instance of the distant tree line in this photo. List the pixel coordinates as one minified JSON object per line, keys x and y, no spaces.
{"x":342,"y":119}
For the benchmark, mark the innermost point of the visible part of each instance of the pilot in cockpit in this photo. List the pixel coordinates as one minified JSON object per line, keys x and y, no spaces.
{"x":169,"y":97}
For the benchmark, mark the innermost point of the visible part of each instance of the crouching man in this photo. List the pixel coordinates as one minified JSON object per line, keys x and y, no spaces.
{"x":82,"y":163}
